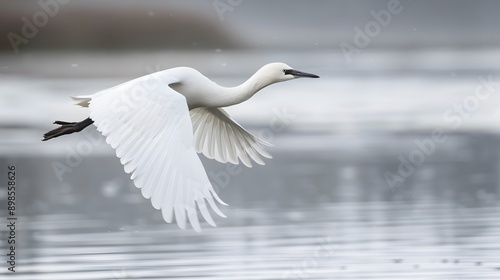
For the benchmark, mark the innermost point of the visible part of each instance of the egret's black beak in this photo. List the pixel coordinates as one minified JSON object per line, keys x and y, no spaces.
{"x":299,"y":74}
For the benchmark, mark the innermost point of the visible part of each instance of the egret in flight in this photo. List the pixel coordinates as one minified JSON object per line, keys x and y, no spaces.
{"x":157,"y":123}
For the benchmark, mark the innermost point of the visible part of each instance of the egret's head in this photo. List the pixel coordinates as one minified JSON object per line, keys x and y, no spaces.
{"x":279,"y":72}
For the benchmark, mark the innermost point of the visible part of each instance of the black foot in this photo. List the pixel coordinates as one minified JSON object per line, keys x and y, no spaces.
{"x":67,"y":128}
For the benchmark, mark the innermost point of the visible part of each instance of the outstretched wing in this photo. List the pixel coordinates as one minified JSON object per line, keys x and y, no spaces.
{"x":219,"y":137}
{"x":148,"y":125}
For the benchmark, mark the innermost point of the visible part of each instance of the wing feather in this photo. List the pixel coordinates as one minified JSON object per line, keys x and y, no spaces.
{"x":219,"y":137}
{"x":151,"y":130}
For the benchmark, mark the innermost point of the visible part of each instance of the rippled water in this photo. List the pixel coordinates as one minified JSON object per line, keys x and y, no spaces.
{"x":425,"y":240}
{"x":307,"y":215}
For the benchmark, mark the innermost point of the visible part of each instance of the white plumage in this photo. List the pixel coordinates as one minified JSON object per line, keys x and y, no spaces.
{"x":157,"y":123}
{"x":219,"y":137}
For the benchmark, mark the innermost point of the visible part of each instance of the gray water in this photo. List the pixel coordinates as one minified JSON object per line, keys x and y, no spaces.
{"x":307,"y":214}
{"x":320,"y":209}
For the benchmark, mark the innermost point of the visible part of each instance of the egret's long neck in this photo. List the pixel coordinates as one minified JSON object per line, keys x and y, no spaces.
{"x":234,"y":95}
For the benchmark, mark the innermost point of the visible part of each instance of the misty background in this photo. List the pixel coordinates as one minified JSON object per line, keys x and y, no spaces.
{"x":197,"y":24}
{"x":356,"y":173}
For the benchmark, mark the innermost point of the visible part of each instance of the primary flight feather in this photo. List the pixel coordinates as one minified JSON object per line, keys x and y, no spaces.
{"x":157,"y":123}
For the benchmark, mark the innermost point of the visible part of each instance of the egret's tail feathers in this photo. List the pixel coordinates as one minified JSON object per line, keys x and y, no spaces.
{"x":67,"y":128}
{"x":82,"y":100}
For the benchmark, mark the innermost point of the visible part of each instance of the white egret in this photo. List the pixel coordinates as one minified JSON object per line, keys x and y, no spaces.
{"x":151,"y":122}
